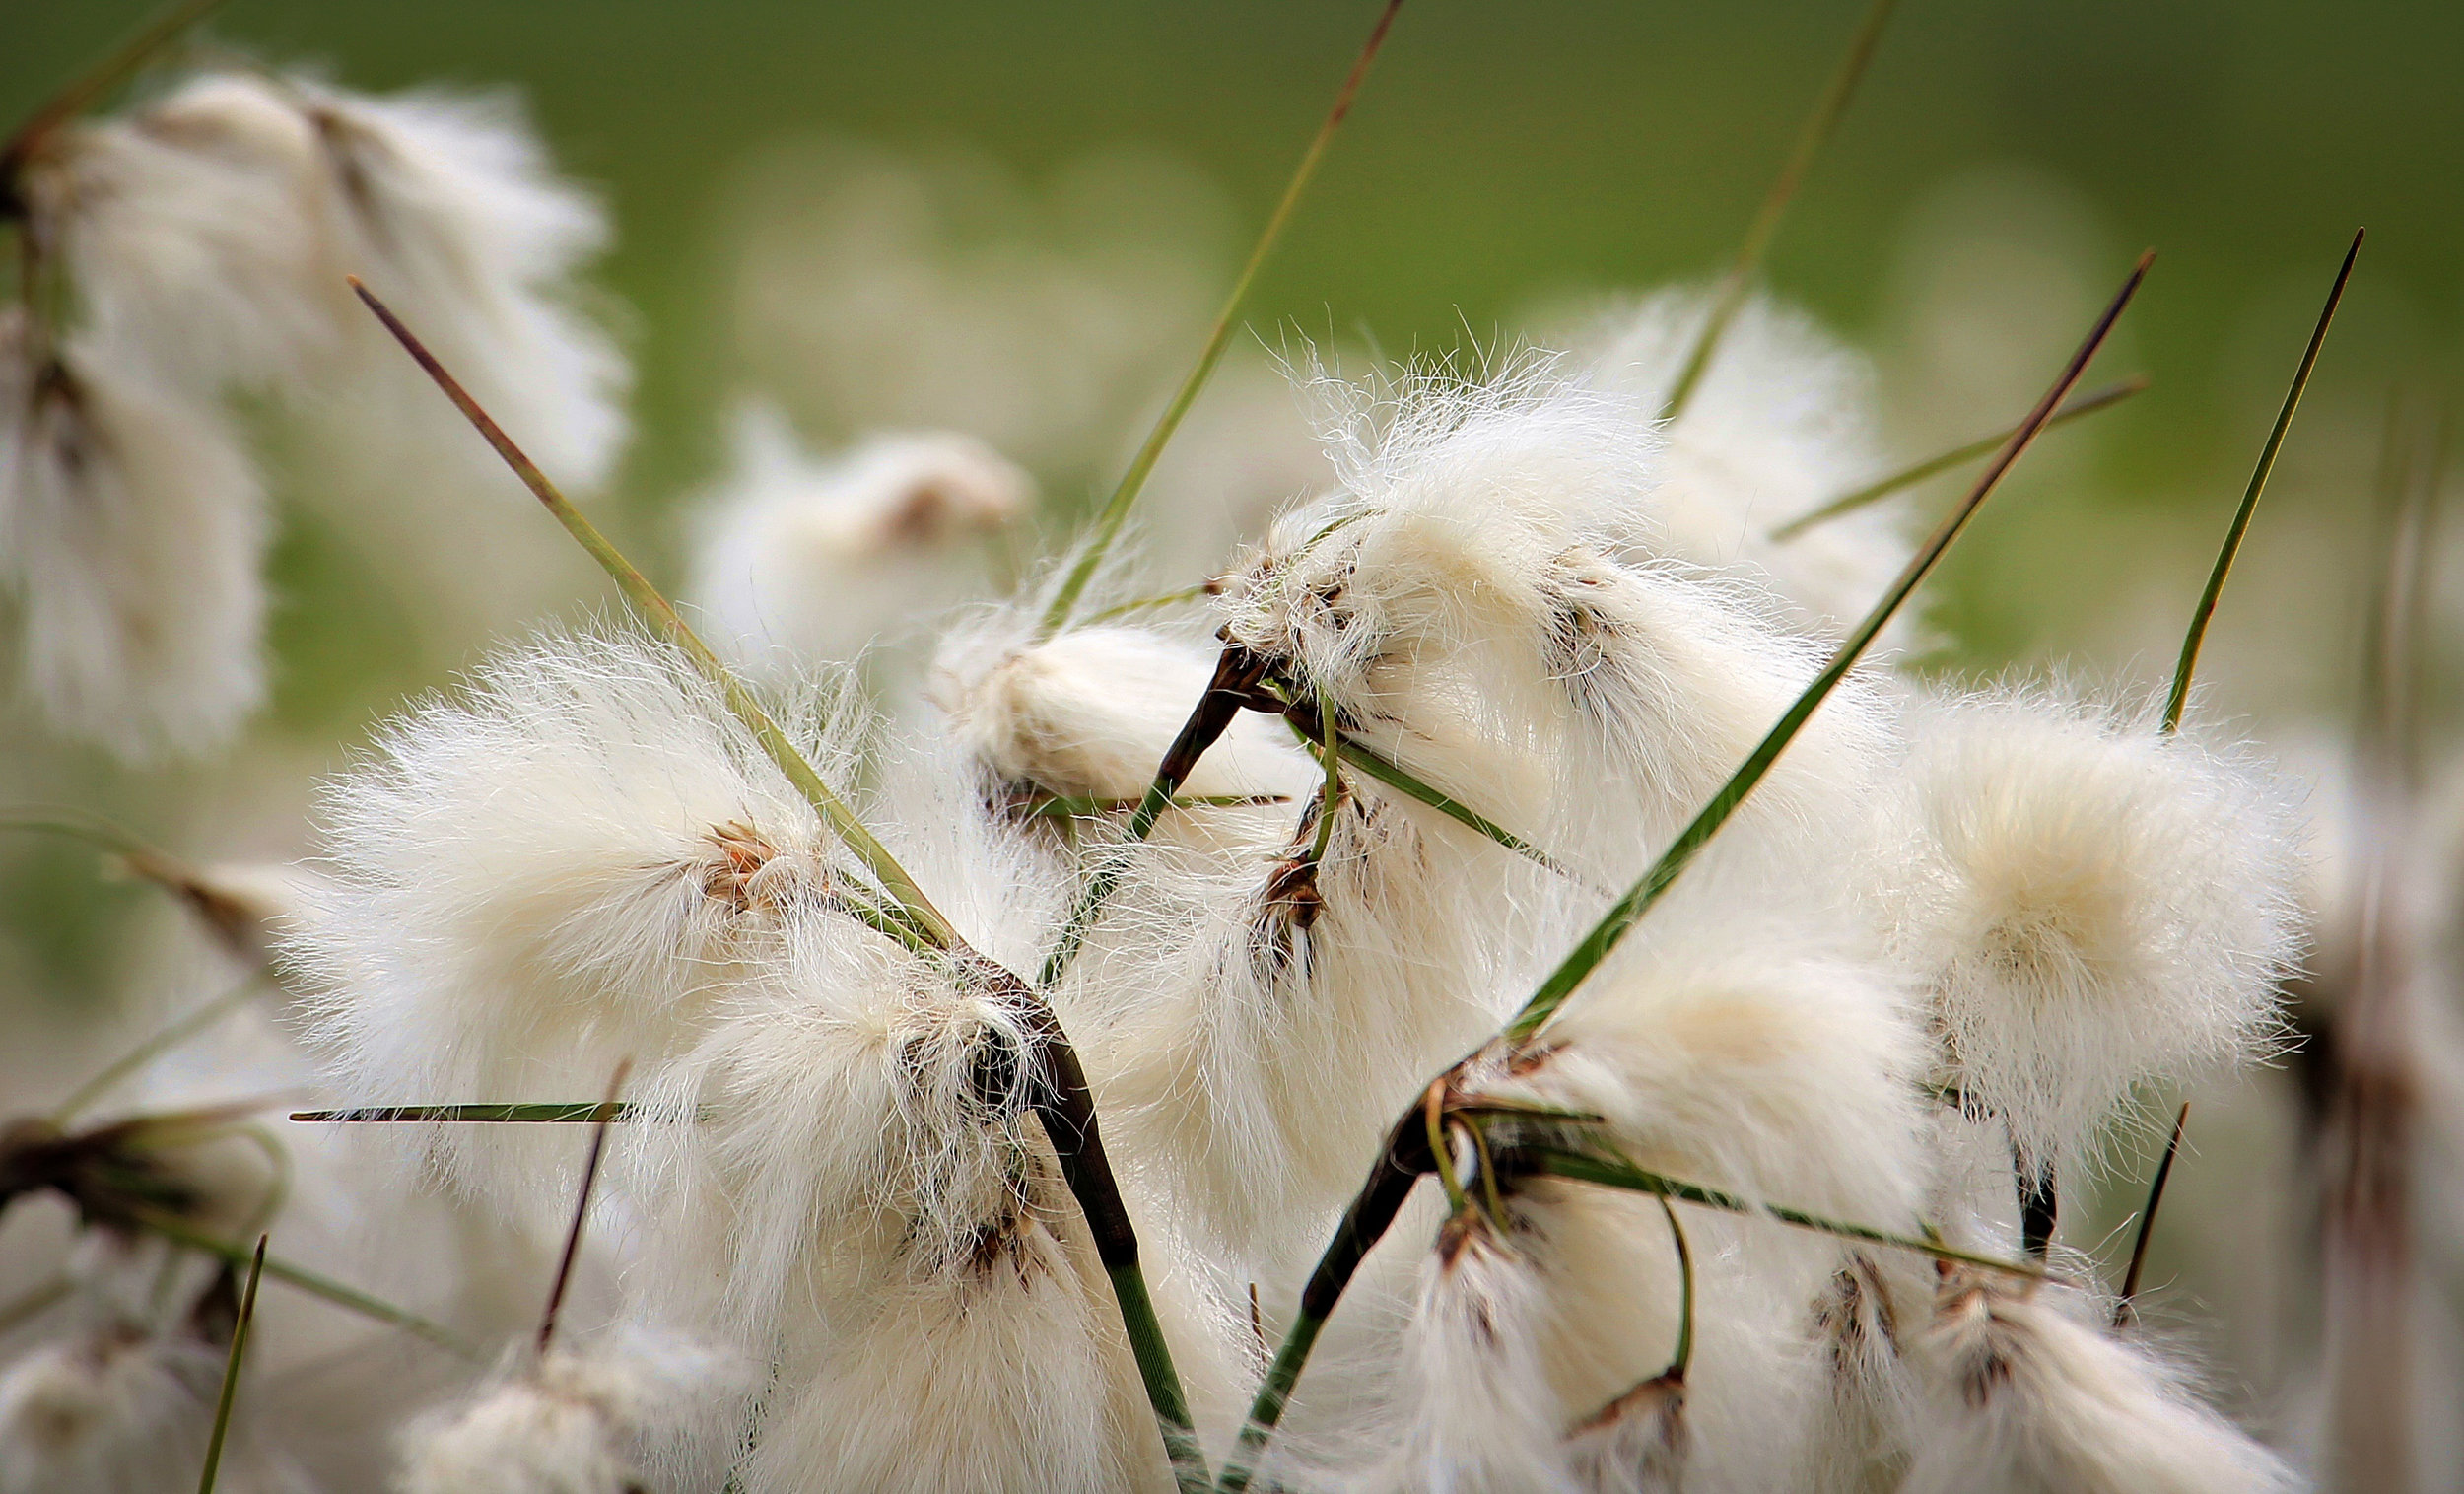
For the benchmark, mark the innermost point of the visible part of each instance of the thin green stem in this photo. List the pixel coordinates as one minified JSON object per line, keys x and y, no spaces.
{"x":2179,"y":696}
{"x":1628,"y":910}
{"x":187,"y":1025}
{"x":1164,"y":1394}
{"x":2123,"y":1309}
{"x":230,"y":1372}
{"x":1685,"y":1355}
{"x":923,"y":927}
{"x":1062,"y":806}
{"x":1734,"y":285}
{"x":1402,"y":780}
{"x":1154,"y":603}
{"x":575,"y":1113}
{"x":179,"y":1232}
{"x":1433,"y":1121}
{"x":1909,"y":476}
{"x":1329,"y":753}
{"x":1584,"y":1167}
{"x":1116,"y":508}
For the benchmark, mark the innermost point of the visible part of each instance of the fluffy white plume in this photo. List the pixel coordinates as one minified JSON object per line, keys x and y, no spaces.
{"x":2029,"y":1398}
{"x":131,"y":525}
{"x":805,"y":558}
{"x":575,"y":1421}
{"x":193,"y":235}
{"x":447,"y":206}
{"x":558,"y":870}
{"x":2091,"y":905}
{"x":1783,"y":421}
{"x":1484,"y":1414}
{"x":1788,"y":1074}
{"x":865,"y":1182}
{"x":106,"y":1413}
{"x":1479,"y":598}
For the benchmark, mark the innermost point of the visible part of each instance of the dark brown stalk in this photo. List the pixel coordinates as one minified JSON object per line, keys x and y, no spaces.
{"x":86,"y":91}
{"x":582,"y":1204}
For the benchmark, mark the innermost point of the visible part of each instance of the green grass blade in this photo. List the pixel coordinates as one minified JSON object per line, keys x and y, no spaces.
{"x":1622,"y":915}
{"x":187,"y":1025}
{"x":1582,"y":1167}
{"x":1734,"y":285}
{"x":230,"y":1372}
{"x":927,"y":928}
{"x":1401,"y":780}
{"x":179,"y":1232}
{"x":1933,"y":466}
{"x":1116,"y":508}
{"x":2179,"y":696}
{"x":545,"y":1113}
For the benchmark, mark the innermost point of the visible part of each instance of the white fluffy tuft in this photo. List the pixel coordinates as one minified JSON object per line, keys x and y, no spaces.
{"x":805,"y":558}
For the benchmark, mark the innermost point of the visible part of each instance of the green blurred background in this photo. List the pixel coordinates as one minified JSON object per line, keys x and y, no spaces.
{"x":2003,"y":164}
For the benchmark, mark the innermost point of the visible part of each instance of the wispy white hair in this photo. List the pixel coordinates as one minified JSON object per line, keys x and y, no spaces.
{"x":2027,"y":1397}
{"x":132,"y":527}
{"x":1783,"y":420}
{"x":2091,"y":904}
{"x":557,"y":869}
{"x":1483,"y":1412}
{"x":800,"y":556}
{"x":1472,"y":599}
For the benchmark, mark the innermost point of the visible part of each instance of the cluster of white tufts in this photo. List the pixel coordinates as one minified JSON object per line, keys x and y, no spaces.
{"x":1923,"y":972}
{"x":191,"y":253}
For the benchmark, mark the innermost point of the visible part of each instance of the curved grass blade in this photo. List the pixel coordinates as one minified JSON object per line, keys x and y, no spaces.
{"x":923,"y":923}
{"x":1934,"y":466}
{"x":1621,"y":917}
{"x":179,"y":1232}
{"x":1730,"y":297}
{"x":187,"y":1025}
{"x":1116,"y":508}
{"x":2179,"y":696}
{"x":231,"y":1371}
{"x":2123,"y":1309}
{"x":1582,"y":1167}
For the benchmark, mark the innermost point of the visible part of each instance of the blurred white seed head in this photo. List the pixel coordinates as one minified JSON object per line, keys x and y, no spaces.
{"x":805,"y":558}
{"x":1784,"y":419}
{"x":448,"y":205}
{"x":2026,"y":1395}
{"x":579,"y":1421}
{"x":192,"y":235}
{"x":561,"y":868}
{"x":2091,"y":905}
{"x":131,"y":528}
{"x":106,"y":1412}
